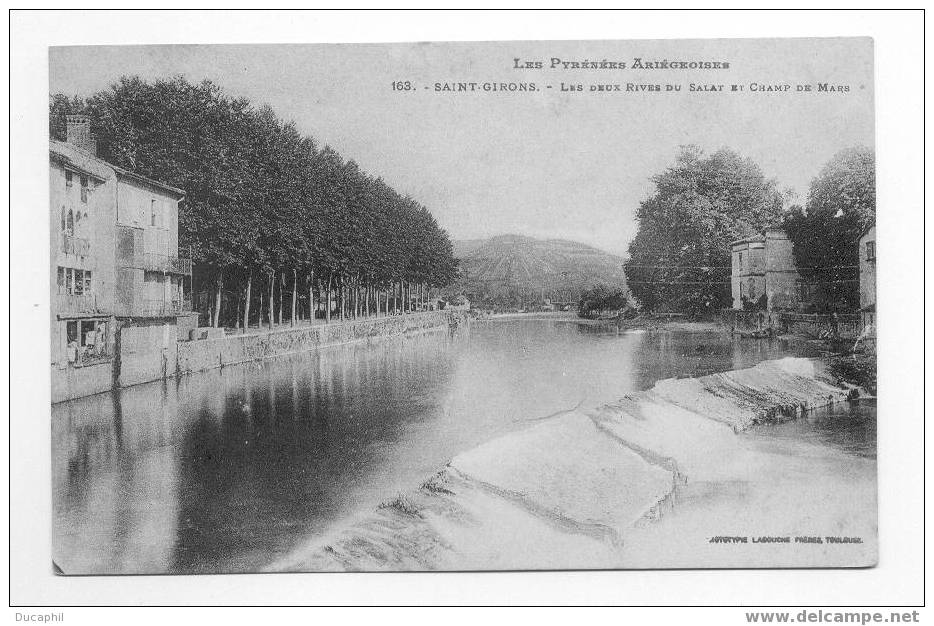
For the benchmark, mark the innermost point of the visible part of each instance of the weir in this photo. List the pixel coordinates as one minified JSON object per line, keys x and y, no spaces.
{"x":570,"y":490}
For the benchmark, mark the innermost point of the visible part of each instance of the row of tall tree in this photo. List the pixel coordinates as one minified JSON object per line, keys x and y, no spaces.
{"x":278,"y":227}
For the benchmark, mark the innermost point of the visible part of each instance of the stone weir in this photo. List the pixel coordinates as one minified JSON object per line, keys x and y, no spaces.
{"x":565,"y":492}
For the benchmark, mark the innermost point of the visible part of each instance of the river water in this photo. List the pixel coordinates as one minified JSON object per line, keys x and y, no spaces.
{"x":229,"y":470}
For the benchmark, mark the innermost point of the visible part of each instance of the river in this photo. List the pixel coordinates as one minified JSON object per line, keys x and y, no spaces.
{"x":229,"y":470}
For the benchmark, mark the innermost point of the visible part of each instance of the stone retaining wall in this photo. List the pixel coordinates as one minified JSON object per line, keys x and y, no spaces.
{"x":753,"y":320}
{"x":146,"y":353}
{"x":70,"y":382}
{"x":150,"y":353}
{"x":845,"y":327}
{"x":194,"y":356}
{"x":824,"y":326}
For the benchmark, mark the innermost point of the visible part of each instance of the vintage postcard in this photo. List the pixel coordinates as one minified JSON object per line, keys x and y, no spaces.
{"x":462,"y":306}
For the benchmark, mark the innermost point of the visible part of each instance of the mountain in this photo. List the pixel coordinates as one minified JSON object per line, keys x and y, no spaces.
{"x":465,"y":247}
{"x":513,"y":270}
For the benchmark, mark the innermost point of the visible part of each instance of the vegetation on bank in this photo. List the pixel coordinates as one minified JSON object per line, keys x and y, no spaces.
{"x":680,"y":259}
{"x":601,"y":299}
{"x":857,"y":369}
{"x":840,"y":207}
{"x":269,"y":214}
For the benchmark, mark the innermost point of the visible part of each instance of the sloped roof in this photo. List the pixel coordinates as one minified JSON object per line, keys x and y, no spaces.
{"x":149,"y":181}
{"x":753,"y":239}
{"x":80,"y":160}
{"x":99,"y":168}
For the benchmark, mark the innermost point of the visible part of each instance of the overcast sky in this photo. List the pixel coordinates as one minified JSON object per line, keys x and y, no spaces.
{"x":548,"y":163}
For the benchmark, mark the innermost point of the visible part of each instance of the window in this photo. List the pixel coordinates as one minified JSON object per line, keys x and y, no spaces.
{"x":68,"y":181}
{"x":84,"y":189}
{"x":70,"y":223}
{"x":154,"y":277}
{"x":88,"y":341}
{"x":804,"y":291}
{"x":152,"y":212}
{"x":741,"y":260}
{"x":129,"y":242}
{"x":63,"y":218}
{"x":74,"y":282}
{"x":88,"y":332}
{"x":870,"y":250}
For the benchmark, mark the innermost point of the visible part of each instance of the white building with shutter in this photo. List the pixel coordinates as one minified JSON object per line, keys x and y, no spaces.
{"x":114,"y":260}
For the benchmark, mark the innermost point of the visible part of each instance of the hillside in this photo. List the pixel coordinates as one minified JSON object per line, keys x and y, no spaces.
{"x":512,"y":270}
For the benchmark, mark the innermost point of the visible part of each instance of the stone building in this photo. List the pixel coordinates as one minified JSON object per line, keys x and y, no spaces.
{"x":867,"y":277}
{"x":114,"y":261}
{"x":763,"y":272}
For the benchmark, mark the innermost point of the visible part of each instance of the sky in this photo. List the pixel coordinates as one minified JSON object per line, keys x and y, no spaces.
{"x":547,"y":163}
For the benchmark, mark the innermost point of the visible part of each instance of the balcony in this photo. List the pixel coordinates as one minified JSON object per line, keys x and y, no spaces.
{"x":75,"y":245}
{"x":166,"y":263}
{"x":70,"y":304}
{"x":152,"y":262}
{"x":179,"y":265}
{"x":165,"y":308}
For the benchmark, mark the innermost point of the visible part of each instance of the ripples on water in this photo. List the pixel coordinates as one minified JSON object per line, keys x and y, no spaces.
{"x":849,"y":427}
{"x":229,"y":469}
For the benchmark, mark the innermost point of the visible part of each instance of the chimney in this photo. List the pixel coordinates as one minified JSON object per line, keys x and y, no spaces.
{"x":79,"y":133}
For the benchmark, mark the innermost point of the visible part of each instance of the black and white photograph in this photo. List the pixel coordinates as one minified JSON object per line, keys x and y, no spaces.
{"x":303,"y":321}
{"x":462,"y":306}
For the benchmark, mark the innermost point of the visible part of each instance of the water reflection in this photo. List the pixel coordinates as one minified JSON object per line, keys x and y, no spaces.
{"x":850,"y":427}
{"x":229,"y":469}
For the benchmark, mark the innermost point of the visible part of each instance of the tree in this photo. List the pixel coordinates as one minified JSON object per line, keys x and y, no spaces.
{"x":264,"y":208}
{"x":600,"y":298}
{"x":841,"y":205}
{"x":679,"y":259}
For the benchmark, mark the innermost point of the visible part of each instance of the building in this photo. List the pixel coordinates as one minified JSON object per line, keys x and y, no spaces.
{"x":867,"y":277}
{"x":113,"y":259}
{"x":763,"y":273}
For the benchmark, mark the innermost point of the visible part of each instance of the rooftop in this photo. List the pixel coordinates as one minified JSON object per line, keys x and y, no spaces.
{"x":101,"y":169}
{"x":753,"y":239}
{"x":80,"y":160}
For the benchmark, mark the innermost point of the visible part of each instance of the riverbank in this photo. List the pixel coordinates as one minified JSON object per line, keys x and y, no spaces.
{"x":195,"y":356}
{"x":857,"y":370}
{"x":573,"y":489}
{"x":145,"y":354}
{"x":641,"y":323}
{"x":853,"y":370}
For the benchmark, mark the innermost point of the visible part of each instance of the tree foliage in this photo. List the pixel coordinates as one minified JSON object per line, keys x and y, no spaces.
{"x":841,"y":205}
{"x":600,"y":298}
{"x":680,"y":257}
{"x":262,"y":200}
